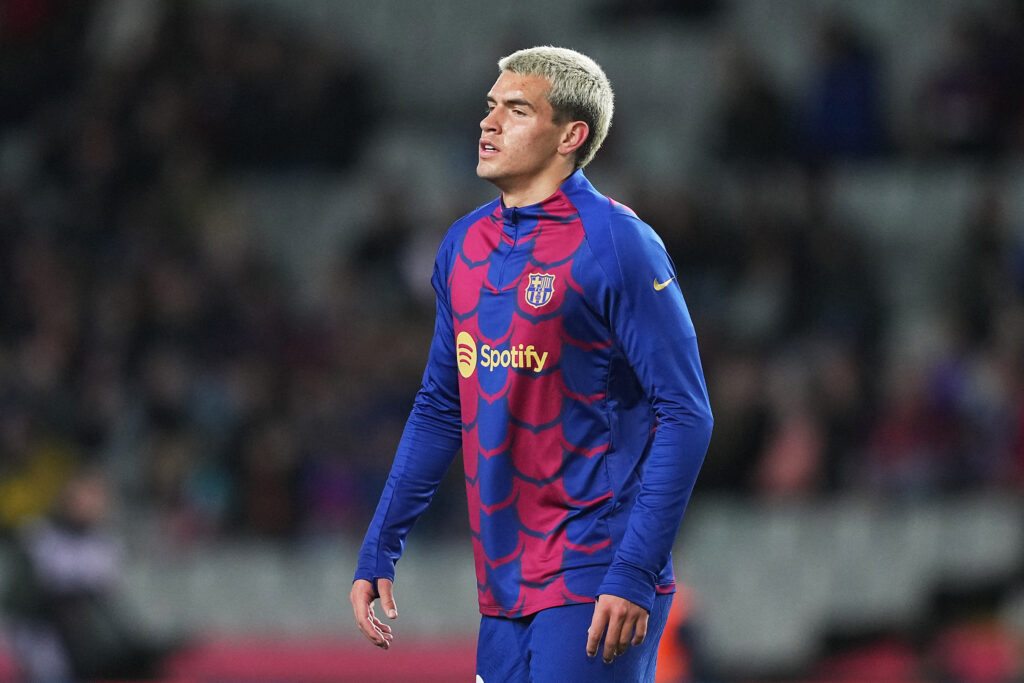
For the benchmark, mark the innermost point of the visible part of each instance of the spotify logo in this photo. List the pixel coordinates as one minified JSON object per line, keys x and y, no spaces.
{"x":517,"y":356}
{"x":465,"y":353}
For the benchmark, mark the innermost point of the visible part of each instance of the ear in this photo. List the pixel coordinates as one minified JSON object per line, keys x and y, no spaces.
{"x":574,"y":134}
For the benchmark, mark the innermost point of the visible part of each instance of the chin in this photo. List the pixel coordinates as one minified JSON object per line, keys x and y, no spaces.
{"x":486,"y":172}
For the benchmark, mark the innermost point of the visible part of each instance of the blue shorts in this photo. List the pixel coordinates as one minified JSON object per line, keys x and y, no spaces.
{"x":551,"y":647}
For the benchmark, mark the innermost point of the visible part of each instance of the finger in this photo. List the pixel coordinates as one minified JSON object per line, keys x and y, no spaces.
{"x":383,"y":631}
{"x":380,"y":625}
{"x":611,"y":638}
{"x":641,"y":629}
{"x":380,"y":629}
{"x":596,"y":630}
{"x":379,"y":638}
{"x":387,"y":598}
{"x":371,"y":627}
{"x":372,"y":633}
{"x":625,"y":635}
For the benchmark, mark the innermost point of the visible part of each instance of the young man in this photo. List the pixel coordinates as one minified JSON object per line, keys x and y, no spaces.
{"x":565,"y":365}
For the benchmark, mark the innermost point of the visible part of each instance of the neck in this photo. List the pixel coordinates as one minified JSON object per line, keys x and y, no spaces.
{"x":535,"y":191}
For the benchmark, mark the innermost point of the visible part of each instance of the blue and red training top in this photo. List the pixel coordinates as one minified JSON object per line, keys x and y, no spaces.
{"x":564,"y":363}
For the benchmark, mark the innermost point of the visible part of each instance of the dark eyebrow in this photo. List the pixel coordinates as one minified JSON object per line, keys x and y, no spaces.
{"x":515,"y":102}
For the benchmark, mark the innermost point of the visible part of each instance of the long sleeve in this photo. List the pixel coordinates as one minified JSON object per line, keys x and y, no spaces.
{"x":651,"y":323}
{"x":430,"y":440}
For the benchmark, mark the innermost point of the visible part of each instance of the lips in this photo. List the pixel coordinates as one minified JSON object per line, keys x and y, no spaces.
{"x":487,"y":148}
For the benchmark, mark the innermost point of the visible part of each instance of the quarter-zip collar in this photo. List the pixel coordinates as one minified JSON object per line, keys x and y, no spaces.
{"x":520,"y":220}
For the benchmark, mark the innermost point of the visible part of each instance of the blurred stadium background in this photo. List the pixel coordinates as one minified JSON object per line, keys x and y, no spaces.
{"x":217,"y":223}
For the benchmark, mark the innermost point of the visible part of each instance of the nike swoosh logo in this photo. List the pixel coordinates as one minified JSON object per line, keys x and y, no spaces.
{"x":658,"y":286}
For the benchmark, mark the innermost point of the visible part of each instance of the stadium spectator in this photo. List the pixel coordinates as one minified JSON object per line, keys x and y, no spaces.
{"x":754,"y":122}
{"x":63,"y":600}
{"x":960,"y":102}
{"x":840,"y":115}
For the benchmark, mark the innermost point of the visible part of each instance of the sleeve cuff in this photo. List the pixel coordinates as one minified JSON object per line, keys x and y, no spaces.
{"x":630,"y":583}
{"x":368,"y":575}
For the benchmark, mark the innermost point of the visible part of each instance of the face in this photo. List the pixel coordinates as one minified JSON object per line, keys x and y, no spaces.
{"x":87,"y":500}
{"x":520,"y":143}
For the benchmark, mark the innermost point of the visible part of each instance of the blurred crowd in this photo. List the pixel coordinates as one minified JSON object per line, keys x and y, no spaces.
{"x":145,"y":330}
{"x":142,"y":328}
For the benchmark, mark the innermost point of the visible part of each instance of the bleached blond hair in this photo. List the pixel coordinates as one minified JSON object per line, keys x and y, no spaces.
{"x":580,"y":90}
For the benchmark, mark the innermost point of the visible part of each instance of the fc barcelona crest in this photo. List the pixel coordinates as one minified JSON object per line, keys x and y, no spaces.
{"x":540,"y":289}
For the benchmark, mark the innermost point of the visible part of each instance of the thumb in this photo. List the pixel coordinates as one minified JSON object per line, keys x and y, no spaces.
{"x":387,"y":598}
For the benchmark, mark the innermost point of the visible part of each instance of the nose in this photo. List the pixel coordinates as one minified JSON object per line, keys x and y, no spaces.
{"x":489,"y":122}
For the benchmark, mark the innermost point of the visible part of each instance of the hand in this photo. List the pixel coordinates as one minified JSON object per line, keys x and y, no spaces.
{"x":362,"y":597}
{"x":624,"y":621}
